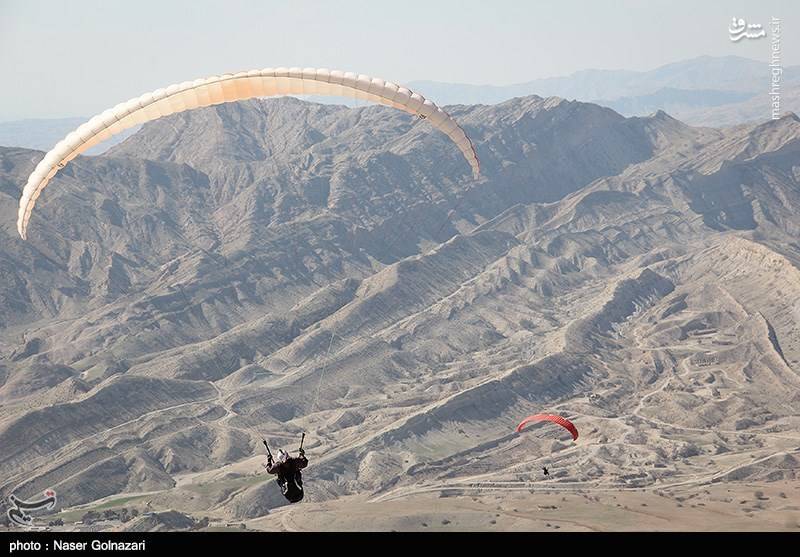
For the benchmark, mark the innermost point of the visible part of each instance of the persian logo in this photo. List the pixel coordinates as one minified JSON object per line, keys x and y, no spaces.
{"x":739,"y":30}
{"x":18,"y":513}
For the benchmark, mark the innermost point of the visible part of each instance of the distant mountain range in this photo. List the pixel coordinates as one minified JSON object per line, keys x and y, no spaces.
{"x":735,"y":88}
{"x":709,"y":91}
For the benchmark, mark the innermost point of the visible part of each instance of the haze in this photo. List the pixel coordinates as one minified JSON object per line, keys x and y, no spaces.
{"x":65,"y":61}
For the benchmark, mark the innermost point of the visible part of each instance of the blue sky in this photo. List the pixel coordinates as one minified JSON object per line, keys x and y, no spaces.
{"x":78,"y":57}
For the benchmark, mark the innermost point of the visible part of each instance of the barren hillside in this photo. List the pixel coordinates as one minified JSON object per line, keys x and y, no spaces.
{"x":272,"y":267}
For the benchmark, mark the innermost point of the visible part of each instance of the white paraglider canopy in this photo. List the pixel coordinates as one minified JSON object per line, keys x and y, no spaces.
{"x":227,"y":88}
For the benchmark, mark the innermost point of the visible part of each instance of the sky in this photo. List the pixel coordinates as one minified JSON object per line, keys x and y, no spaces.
{"x":79,"y":57}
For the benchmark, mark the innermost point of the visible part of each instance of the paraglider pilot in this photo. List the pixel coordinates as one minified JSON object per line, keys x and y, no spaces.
{"x":287,"y":468}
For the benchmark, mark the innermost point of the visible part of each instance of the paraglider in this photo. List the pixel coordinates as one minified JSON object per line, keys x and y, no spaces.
{"x":563,"y":422}
{"x":228,"y":88}
{"x":216,"y":90}
{"x":287,"y":468}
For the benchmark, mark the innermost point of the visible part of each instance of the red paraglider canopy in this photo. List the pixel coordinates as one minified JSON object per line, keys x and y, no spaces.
{"x":563,"y":422}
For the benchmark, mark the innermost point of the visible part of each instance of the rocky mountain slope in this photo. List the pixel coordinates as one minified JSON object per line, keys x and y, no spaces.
{"x":273,"y":267}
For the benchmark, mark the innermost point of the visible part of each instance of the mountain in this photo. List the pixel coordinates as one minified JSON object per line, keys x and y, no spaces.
{"x":267,"y":268}
{"x":674,"y":101}
{"x":686,"y":89}
{"x":751,"y":110}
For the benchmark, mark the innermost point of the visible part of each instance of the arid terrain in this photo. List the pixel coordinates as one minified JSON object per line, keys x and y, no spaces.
{"x":268,"y":268}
